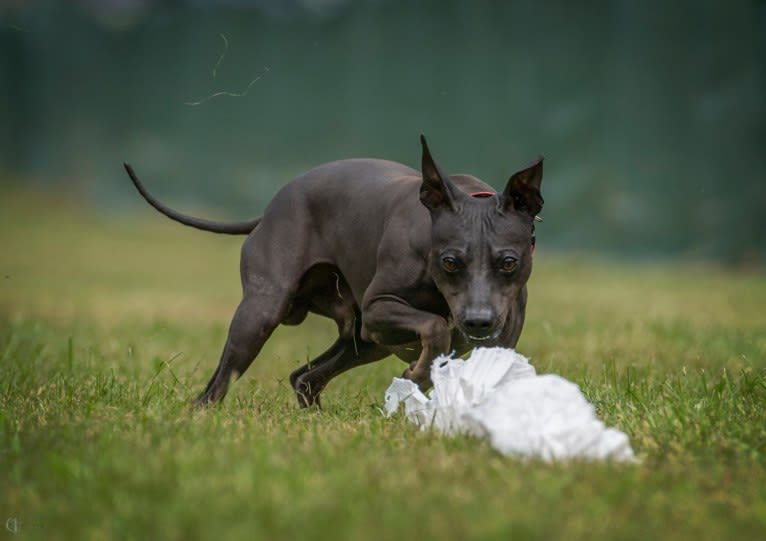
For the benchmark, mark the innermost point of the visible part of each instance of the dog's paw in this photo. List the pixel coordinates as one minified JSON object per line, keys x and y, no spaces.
{"x":306,"y":397}
{"x":423,"y":381}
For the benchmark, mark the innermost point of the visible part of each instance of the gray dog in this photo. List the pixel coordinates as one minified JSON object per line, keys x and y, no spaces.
{"x":414,"y":264}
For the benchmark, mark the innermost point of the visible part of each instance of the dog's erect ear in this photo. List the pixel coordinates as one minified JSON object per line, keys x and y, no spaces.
{"x":522,"y":192}
{"x":437,"y":190}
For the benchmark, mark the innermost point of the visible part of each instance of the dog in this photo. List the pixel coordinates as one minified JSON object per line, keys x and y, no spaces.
{"x":409,"y":263}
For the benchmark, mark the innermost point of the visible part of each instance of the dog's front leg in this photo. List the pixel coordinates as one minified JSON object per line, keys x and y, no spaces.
{"x":390,"y":321}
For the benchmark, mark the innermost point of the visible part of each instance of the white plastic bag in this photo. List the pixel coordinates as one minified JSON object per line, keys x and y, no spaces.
{"x":496,"y":395}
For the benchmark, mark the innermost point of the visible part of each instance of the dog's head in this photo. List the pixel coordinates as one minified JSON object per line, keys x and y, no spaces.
{"x":481,"y":247}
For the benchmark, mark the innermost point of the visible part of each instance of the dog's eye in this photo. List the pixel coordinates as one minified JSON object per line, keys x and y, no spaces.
{"x":450,"y":264}
{"x":508,"y":264}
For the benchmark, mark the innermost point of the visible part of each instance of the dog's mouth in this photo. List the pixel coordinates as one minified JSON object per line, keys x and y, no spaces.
{"x":482,"y":339}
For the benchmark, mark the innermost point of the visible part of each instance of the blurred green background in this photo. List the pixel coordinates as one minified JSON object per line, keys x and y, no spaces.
{"x":652,"y":115}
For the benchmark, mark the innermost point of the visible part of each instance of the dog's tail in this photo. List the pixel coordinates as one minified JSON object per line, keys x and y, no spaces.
{"x":228,"y":228}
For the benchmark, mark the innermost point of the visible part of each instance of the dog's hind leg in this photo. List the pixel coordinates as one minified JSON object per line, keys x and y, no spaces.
{"x":270,"y":274}
{"x":255,"y":319}
{"x":309,"y":381}
{"x":305,"y":396}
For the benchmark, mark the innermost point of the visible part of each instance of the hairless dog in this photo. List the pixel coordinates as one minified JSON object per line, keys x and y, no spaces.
{"x":408,"y":263}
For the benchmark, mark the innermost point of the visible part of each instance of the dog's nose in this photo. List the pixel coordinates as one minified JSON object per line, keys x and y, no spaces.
{"x":478,"y":323}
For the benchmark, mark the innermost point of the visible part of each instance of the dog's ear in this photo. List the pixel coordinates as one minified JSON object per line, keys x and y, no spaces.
{"x":437,"y":190}
{"x":522,"y":193}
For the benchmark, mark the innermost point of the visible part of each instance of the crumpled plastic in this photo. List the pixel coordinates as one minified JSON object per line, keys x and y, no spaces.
{"x":495,"y":394}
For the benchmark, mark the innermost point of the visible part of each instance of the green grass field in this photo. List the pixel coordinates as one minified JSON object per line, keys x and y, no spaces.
{"x":108,"y":326}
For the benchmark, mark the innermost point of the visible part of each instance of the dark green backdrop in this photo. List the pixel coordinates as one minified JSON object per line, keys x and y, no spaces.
{"x":651,"y":115}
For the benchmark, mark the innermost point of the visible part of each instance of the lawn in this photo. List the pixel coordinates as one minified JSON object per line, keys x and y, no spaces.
{"x":110,"y":324}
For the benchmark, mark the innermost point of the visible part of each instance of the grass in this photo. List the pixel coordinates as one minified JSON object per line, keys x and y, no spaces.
{"x":108,"y":326}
